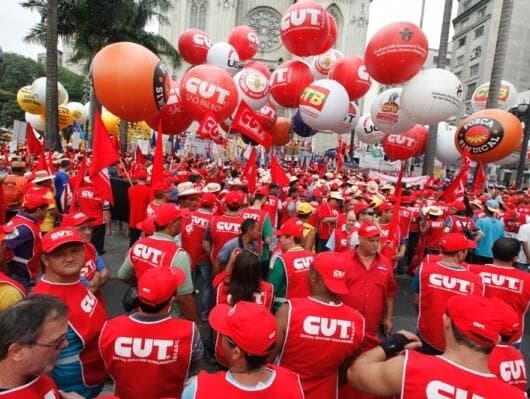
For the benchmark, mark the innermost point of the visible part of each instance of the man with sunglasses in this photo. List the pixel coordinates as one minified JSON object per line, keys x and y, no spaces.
{"x":79,"y":367}
{"x":32,"y":333}
{"x":248,"y":338}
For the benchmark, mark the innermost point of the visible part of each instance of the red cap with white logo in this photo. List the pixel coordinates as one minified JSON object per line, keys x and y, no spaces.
{"x":251,"y":326}
{"x":59,"y":236}
{"x":328,"y":264}
{"x":158,"y":284}
{"x":75,"y":219}
{"x":368,"y":230}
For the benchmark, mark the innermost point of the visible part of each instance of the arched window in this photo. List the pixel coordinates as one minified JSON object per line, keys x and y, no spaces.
{"x":197,"y":14}
{"x":335,"y":11}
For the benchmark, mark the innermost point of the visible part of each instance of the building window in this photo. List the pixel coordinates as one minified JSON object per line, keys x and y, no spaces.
{"x":464,"y":23}
{"x":462,"y":41}
{"x":459,"y":60}
{"x":266,"y":22}
{"x":197,"y":14}
{"x":479,"y":31}
{"x":467,"y":4}
{"x":473,"y":70}
{"x":475,"y":53}
{"x":482,"y":12}
{"x":470,"y":90}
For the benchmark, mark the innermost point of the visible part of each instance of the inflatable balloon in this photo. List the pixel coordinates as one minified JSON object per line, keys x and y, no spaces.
{"x":267,"y":116}
{"x":208,"y":88}
{"x":304,"y":28}
{"x":322,"y":64}
{"x":130,"y":81}
{"x":38,"y":122}
{"x":396,"y":53}
{"x":300,"y":127}
{"x":323,"y":104}
{"x":245,"y":40}
{"x":332,"y":36}
{"x":38,"y":88}
{"x":63,"y":94}
{"x":280,"y":131}
{"x":349,"y":122}
{"x":406,"y":145}
{"x":489,"y":135}
{"x":258,"y":66}
{"x":387,"y":114}
{"x":173,"y":117}
{"x":78,"y":111}
{"x":224,"y":56}
{"x":288,"y":81}
{"x":507,"y":96}
{"x":446,"y":150}
{"x":366,"y":131}
{"x":193,"y":46}
{"x":27,"y":101}
{"x":433,"y":95}
{"x":252,"y":87}
{"x":111,"y":122}
{"x":65,"y":117}
{"x":351,"y":73}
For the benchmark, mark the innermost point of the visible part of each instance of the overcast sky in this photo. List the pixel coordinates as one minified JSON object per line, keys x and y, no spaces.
{"x":16,"y":22}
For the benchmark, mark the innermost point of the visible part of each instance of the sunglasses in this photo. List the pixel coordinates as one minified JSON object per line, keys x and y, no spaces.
{"x":368,"y":213}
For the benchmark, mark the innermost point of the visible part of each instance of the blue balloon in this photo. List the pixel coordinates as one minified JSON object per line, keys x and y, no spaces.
{"x":300,"y":127}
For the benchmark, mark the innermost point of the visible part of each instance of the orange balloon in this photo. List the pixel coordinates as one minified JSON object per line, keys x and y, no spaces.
{"x":280,"y":131}
{"x":489,"y":135}
{"x":130,"y":81}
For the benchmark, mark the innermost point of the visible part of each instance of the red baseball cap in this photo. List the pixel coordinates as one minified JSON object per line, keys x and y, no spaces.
{"x":34,"y":200}
{"x":511,"y":327}
{"x":476,"y":317}
{"x":368,"y":230}
{"x":251,"y":326}
{"x":262,"y":190}
{"x":161,"y":187}
{"x":453,"y":242}
{"x":459,"y":206}
{"x":235,"y":198}
{"x":360,"y":207}
{"x":167,"y":213}
{"x":292,"y":227}
{"x":75,"y":219}
{"x":329,"y":266}
{"x":384,"y":206}
{"x":208,"y":199}
{"x":147,"y":226}
{"x":158,"y":284}
{"x":317,"y":193}
{"x":59,"y":236}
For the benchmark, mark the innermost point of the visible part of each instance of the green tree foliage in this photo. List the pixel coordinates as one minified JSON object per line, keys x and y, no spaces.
{"x":74,"y":85}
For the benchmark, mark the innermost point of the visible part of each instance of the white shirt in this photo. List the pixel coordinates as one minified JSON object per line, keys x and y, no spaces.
{"x":524,"y":236}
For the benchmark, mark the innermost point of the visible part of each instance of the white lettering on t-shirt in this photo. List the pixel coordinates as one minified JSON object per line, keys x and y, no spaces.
{"x":440,"y":390}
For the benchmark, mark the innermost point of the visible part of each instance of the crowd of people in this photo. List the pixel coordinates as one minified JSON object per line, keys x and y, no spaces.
{"x":242,"y":289}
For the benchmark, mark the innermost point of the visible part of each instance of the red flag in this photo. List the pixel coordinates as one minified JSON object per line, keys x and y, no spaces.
{"x":480,"y":180}
{"x":251,"y":171}
{"x":104,"y":153}
{"x":138,"y":162}
{"x":277,"y":174}
{"x":76,"y":182}
{"x":392,"y":245}
{"x":323,"y":167}
{"x":33,"y":145}
{"x":42,"y":163}
{"x":209,"y":128}
{"x":101,"y":182}
{"x":456,"y":190}
{"x":157,"y":175}
{"x":246,"y":122}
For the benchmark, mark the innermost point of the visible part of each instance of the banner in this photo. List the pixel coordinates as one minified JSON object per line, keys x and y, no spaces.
{"x":415,"y":180}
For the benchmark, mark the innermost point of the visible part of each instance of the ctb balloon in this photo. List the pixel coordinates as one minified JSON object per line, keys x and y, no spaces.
{"x":193,"y":46}
{"x":245,"y":40}
{"x":387,"y":114}
{"x":288,"y":81}
{"x":507,"y":96}
{"x":351,"y":73}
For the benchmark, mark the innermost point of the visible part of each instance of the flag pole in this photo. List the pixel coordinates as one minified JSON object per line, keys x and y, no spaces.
{"x":126,"y":173}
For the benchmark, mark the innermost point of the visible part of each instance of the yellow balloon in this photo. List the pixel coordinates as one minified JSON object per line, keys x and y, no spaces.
{"x":28,"y":102}
{"x":111,"y":122}
{"x":65,"y":117}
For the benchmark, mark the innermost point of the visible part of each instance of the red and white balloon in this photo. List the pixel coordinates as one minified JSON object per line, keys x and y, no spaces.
{"x":173,"y":117}
{"x":507,"y":96}
{"x":349,"y":122}
{"x":323,"y":63}
{"x":245,"y":40}
{"x":253,"y":87}
{"x":267,"y":116}
{"x":193,"y":46}
{"x":406,"y":145}
{"x":351,"y":73}
{"x":387,"y":114}
{"x":224,"y":56}
{"x":367,"y":132}
{"x":288,"y":81}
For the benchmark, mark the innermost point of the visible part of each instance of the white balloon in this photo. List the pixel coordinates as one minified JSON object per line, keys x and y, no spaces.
{"x":507,"y":96}
{"x":323,"y":104}
{"x":387,"y":114}
{"x":224,"y":56}
{"x":63,"y":94}
{"x":78,"y":111}
{"x":38,"y":87}
{"x":432,"y":96}
{"x":322,"y":64}
{"x":253,"y":87}
{"x":446,"y":150}
{"x":349,"y":122}
{"x":366,"y":131}
{"x":38,"y":122}
{"x":87,"y":109}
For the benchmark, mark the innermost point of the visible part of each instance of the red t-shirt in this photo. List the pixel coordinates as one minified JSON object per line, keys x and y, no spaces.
{"x":507,"y":363}
{"x":91,"y":204}
{"x":325,"y":228}
{"x":139,"y":198}
{"x":42,"y":387}
{"x":434,"y":233}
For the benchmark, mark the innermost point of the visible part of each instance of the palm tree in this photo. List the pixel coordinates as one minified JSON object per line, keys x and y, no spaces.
{"x":428,"y":162}
{"x":51,"y":135}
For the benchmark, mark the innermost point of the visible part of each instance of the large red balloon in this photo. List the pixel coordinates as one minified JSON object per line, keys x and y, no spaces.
{"x":351,"y":73}
{"x":208,"y":88}
{"x":194,"y":45}
{"x":396,"y":53}
{"x":489,"y":135}
{"x":244,"y":39}
{"x":411,"y":143}
{"x":267,"y":116}
{"x":173,"y":117}
{"x":130,"y":81}
{"x":305,"y":28}
{"x":288,"y":81}
{"x":280,"y":131}
{"x":332,"y":37}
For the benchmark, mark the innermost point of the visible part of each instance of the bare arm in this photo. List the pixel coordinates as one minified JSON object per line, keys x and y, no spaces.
{"x":188,"y":307}
{"x":281,"y":325}
{"x":309,"y":241}
{"x":388,"y":321}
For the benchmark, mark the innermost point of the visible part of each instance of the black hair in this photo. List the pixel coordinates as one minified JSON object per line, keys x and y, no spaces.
{"x":247,"y":225}
{"x":194,"y":178}
{"x":274,"y":185}
{"x":259,"y":197}
{"x":255,"y":362}
{"x":23,"y":322}
{"x":298,"y":240}
{"x":233,"y":208}
{"x":505,"y":249}
{"x":150,"y":308}
{"x":461,"y":339}
{"x":245,"y":279}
